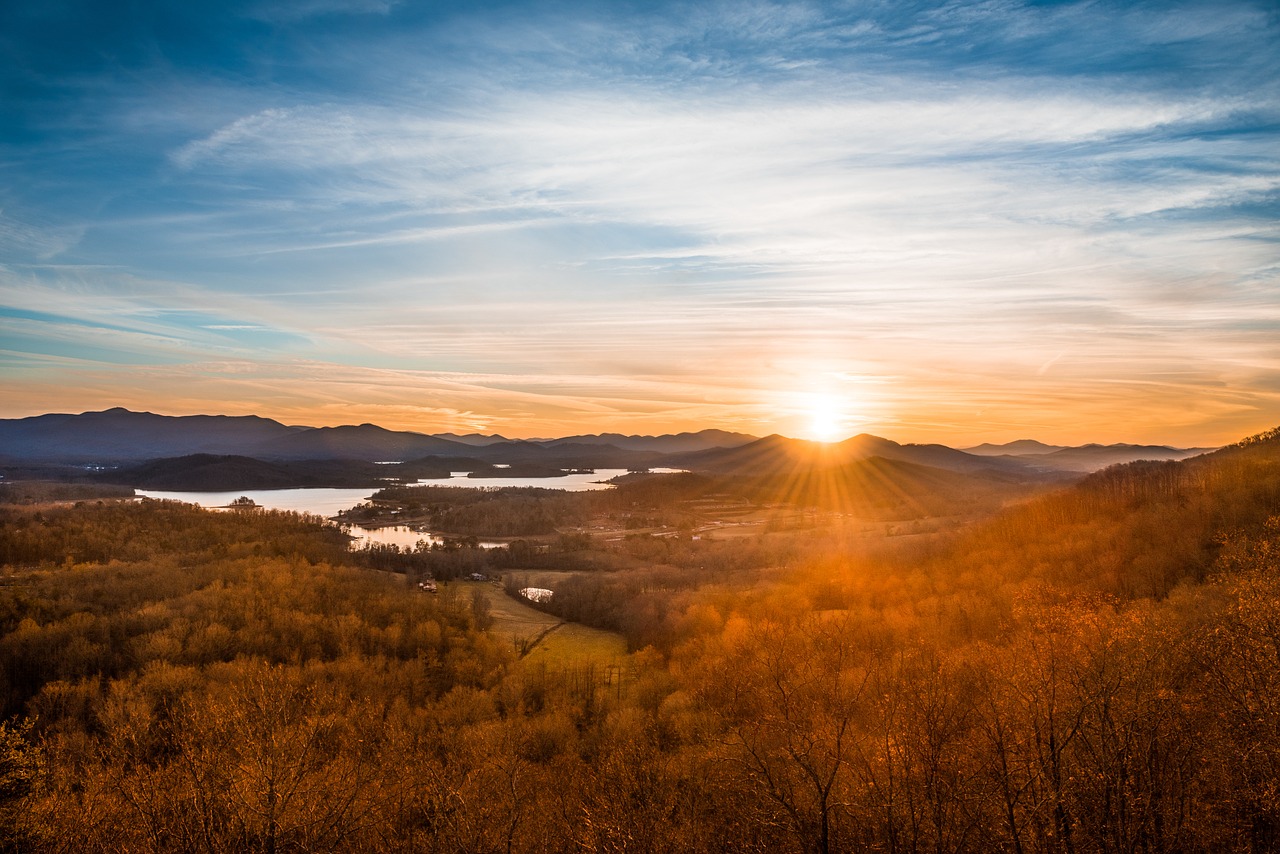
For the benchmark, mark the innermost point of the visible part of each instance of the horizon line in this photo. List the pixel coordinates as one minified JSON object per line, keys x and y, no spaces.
{"x":443,"y":434}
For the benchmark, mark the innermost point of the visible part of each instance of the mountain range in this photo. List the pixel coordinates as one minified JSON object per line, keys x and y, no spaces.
{"x":1083,"y":458}
{"x":121,"y":439}
{"x":116,"y":435}
{"x":776,"y":453}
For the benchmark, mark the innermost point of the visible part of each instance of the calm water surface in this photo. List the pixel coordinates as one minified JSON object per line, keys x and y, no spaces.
{"x":329,"y":502}
{"x":320,"y":501}
{"x":404,"y":537}
{"x":569,"y":482}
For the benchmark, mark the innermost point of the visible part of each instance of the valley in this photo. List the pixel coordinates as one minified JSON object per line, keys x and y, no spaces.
{"x":792,"y":648}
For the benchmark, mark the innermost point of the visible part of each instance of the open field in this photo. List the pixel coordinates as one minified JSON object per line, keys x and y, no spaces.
{"x":573,"y":644}
{"x":561,"y":644}
{"x":511,"y":619}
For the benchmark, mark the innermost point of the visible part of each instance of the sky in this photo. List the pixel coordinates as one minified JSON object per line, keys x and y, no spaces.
{"x":952,"y":222}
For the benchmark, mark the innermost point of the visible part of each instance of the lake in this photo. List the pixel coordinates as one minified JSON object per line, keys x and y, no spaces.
{"x":329,"y":502}
{"x":404,"y":537}
{"x":326,"y":501}
{"x":319,"y":501}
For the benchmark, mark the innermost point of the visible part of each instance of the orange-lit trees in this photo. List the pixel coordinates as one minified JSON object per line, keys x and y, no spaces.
{"x":791,"y":696}
{"x":1241,"y":658}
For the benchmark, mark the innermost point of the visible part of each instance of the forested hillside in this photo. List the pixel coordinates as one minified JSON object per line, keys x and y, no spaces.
{"x":1095,"y":670}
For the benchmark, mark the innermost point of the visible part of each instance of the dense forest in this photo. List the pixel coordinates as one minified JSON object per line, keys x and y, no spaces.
{"x":1092,"y":670}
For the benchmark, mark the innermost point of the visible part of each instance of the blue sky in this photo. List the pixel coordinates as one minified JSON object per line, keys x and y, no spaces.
{"x":944,"y":221}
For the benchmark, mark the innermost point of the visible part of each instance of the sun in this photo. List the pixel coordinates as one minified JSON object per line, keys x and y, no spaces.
{"x":827,"y":420}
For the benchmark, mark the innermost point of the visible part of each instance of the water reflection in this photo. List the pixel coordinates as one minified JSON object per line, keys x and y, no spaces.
{"x":402,"y":536}
{"x":319,"y":501}
{"x":577,"y":482}
{"x":329,"y":502}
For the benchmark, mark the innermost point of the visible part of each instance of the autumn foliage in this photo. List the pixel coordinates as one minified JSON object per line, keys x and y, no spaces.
{"x":1096,"y":670}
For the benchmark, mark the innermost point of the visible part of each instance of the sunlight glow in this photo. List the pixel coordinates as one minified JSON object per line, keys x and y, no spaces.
{"x":827,"y":420}
{"x":951,"y":226}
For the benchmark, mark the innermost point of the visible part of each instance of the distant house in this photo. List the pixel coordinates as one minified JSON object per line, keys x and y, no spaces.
{"x":427,"y":586}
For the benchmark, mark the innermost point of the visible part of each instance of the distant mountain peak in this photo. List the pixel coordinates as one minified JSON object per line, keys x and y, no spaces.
{"x":665,"y":444}
{"x":475,"y":439}
{"x":1018,"y":447}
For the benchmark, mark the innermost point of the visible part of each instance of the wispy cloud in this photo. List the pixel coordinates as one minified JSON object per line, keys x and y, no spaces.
{"x":1000,"y":206}
{"x":43,"y":242}
{"x":283,"y":11}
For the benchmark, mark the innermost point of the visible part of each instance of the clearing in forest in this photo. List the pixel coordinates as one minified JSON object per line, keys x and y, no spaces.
{"x":545,"y":638}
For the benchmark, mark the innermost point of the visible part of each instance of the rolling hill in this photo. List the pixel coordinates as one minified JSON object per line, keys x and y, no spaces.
{"x":678,"y":443}
{"x":364,"y":442}
{"x":779,"y":455}
{"x":1081,"y":458}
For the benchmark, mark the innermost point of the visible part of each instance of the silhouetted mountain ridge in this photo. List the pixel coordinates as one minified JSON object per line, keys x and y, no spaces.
{"x":477,"y":439}
{"x":1019,"y":447}
{"x":665,"y":444}
{"x":778,"y":454}
{"x":361,"y":442}
{"x":119,"y":436}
